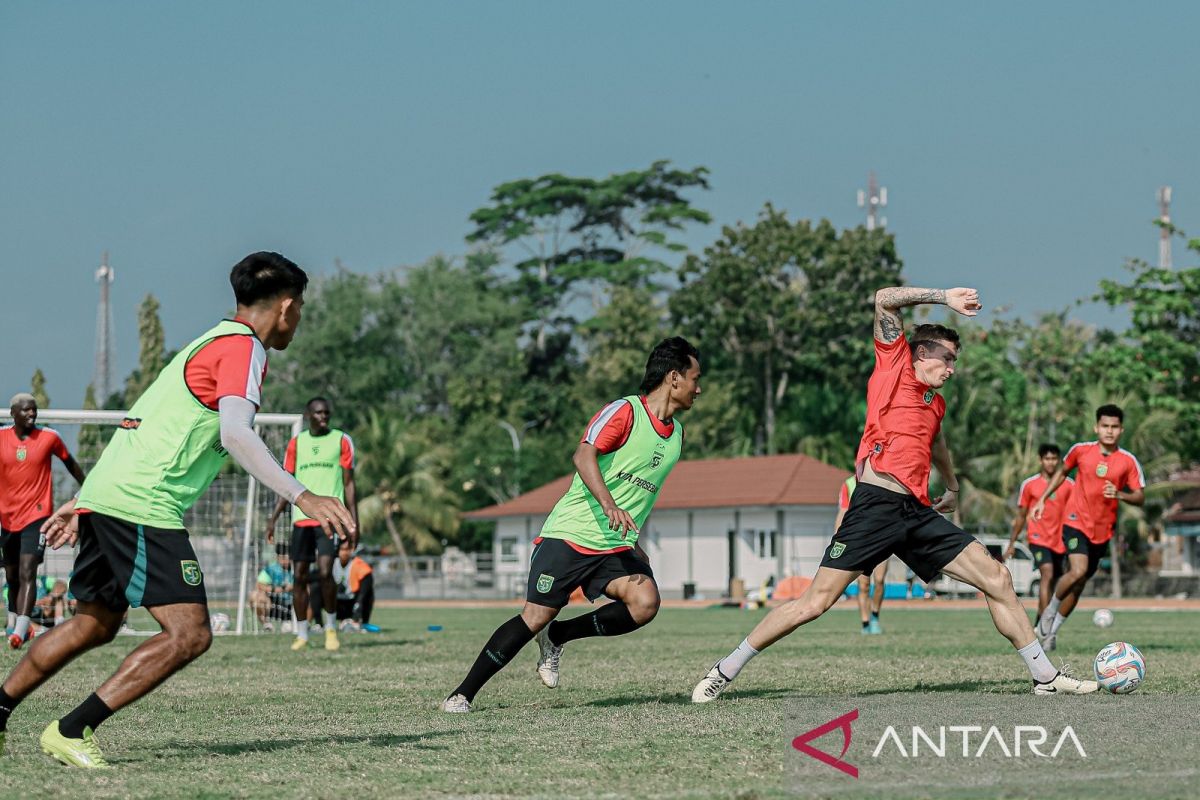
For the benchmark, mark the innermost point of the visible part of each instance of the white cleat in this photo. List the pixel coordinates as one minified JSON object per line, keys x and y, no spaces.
{"x":549,"y":656}
{"x":1048,"y":640}
{"x":456,"y":704}
{"x":1065,"y":683}
{"x":711,"y":687}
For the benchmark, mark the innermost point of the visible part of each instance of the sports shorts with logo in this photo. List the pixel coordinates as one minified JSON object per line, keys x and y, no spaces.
{"x":29,"y":541}
{"x":122,"y":564}
{"x":1078,"y":544}
{"x":556,"y":569}
{"x":880,"y":522}
{"x":310,"y":541}
{"x":1044,"y":555}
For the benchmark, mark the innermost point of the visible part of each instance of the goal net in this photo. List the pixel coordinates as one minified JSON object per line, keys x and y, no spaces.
{"x":227,"y":525}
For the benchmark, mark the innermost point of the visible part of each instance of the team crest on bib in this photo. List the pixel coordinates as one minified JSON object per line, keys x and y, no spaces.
{"x":837,"y":549}
{"x":545,"y":582}
{"x":191,"y":572}
{"x":316,"y":450}
{"x":1101,"y":470}
{"x":21,"y":453}
{"x":928,"y":398}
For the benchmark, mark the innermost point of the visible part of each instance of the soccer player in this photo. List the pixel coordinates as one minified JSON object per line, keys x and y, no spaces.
{"x":26,"y":486}
{"x":1045,"y":534}
{"x":356,"y":588}
{"x":891,"y":511}
{"x":869,"y":603}
{"x":1106,"y":475}
{"x":590,"y":539}
{"x":128,"y":517}
{"x":321,"y":457}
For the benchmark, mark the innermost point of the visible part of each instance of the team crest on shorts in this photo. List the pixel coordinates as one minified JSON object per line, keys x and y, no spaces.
{"x":545,"y":582}
{"x":1074,"y":542}
{"x":928,"y":398}
{"x":1101,"y":470}
{"x":837,"y":549}
{"x":191,"y":572}
{"x":21,"y":454}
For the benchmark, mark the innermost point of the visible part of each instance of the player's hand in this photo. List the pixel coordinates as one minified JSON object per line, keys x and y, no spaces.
{"x":620,"y":520}
{"x":1008,"y":553}
{"x":333,"y":517}
{"x":62,"y":527}
{"x":947,"y":503}
{"x":1110,"y":490}
{"x":1038,"y":508}
{"x":964,"y":301}
{"x":271,"y":532}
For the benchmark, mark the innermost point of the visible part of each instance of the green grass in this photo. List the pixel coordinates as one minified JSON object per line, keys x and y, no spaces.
{"x":252,"y":719}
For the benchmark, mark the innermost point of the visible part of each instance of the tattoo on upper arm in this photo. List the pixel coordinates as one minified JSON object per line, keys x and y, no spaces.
{"x":888,"y":327}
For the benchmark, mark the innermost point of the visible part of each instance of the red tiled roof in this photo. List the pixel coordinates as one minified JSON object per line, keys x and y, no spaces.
{"x":789,"y":480}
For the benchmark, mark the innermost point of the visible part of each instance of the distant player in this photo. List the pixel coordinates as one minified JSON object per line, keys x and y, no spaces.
{"x":356,"y":588}
{"x":590,"y":539}
{"x":323,"y":458}
{"x":26,"y":485}
{"x":869,"y":603}
{"x":890,"y":511}
{"x":1105,"y":474}
{"x":1045,"y":534}
{"x":128,"y":517}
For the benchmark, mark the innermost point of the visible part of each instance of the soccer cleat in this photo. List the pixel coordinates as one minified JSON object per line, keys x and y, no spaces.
{"x":331,"y":640}
{"x":711,"y":687}
{"x":268,"y":627}
{"x":73,"y":752}
{"x":300,"y":643}
{"x":874,"y":627}
{"x":15,"y":641}
{"x":1050,"y":642}
{"x":1065,"y":683}
{"x":549,"y":656}
{"x":456,"y":704}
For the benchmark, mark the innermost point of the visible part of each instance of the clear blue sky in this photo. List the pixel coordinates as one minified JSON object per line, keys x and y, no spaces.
{"x":1021,"y":143}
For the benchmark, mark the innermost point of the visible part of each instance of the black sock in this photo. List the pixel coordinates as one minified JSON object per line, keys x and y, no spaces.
{"x":505,"y":643}
{"x":865,"y":624}
{"x":613,"y":619}
{"x":88,"y":714}
{"x":875,"y":614}
{"x":7,"y":704}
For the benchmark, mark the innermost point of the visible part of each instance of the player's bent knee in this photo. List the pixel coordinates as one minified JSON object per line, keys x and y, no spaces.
{"x":645,"y":610}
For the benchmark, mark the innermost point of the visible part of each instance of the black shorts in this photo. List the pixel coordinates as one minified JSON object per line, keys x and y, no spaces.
{"x":122,"y":564}
{"x":556,"y":569}
{"x":1078,"y":544}
{"x":1043,"y":555}
{"x":880,"y":522}
{"x":29,"y":541}
{"x":309,"y":541}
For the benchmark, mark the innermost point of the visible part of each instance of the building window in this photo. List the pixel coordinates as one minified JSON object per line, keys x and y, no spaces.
{"x":508,"y":549}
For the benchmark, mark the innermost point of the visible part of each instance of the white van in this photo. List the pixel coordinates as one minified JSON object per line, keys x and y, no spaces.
{"x":1025,"y":577}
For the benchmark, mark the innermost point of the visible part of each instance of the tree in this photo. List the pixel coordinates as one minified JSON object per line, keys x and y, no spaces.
{"x":91,"y":440}
{"x":37,"y":387}
{"x":151,"y":351}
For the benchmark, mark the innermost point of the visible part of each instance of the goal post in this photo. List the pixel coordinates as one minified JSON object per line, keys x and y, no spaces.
{"x":226,"y":525}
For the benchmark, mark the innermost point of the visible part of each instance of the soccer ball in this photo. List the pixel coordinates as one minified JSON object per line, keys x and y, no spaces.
{"x":1120,"y":668}
{"x":219,"y":622}
{"x":1103,"y":618}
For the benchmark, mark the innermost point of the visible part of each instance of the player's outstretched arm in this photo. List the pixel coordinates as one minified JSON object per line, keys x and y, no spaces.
{"x":1019,"y":521}
{"x":889,"y":326}
{"x":945,"y":467}
{"x":588,"y":465}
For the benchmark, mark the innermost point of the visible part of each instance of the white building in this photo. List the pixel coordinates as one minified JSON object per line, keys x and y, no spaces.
{"x":714,"y":520}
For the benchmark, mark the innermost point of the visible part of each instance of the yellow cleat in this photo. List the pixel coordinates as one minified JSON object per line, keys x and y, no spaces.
{"x":73,"y":752}
{"x":331,"y":640}
{"x":299,"y":644}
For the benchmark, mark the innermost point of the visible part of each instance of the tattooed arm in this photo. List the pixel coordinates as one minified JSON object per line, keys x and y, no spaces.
{"x":888,"y":302}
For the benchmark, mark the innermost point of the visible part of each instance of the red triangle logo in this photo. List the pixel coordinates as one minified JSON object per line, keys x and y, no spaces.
{"x":801,"y":743}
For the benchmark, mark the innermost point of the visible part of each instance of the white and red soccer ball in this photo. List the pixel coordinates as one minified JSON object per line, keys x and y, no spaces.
{"x":1120,"y":668}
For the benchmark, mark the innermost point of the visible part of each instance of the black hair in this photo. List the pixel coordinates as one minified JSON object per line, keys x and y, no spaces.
{"x":674,"y":354}
{"x":264,"y":276}
{"x":1110,"y":410}
{"x":1047,"y":448}
{"x":932,"y":334}
{"x":318,"y":399}
{"x":281,"y":549}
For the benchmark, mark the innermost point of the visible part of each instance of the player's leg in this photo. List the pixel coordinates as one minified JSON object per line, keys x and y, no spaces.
{"x":864,"y":601}
{"x":12,"y":574}
{"x":326,"y":552}
{"x":364,"y":601}
{"x":1069,"y":588}
{"x":879,"y":581}
{"x":303,"y":551}
{"x":1048,"y":572}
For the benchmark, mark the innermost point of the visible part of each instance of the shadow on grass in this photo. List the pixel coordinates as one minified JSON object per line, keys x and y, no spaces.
{"x":677,"y":699}
{"x":357,"y":644}
{"x":274,"y":745}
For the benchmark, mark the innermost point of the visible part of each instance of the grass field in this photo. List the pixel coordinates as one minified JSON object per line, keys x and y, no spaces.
{"x":252,"y":719}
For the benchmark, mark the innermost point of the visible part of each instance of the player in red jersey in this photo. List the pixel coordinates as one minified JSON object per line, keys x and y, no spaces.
{"x":25,"y":503}
{"x":1106,"y":475}
{"x":1045,"y":534}
{"x":890,"y":510}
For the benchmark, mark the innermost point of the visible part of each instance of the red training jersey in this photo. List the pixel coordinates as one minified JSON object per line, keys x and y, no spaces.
{"x":25,"y":480}
{"x":1089,"y":510}
{"x":1047,"y":531}
{"x":228,"y":365}
{"x":903,"y":418}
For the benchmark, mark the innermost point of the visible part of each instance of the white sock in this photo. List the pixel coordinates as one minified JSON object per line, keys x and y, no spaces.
{"x":59,"y":621}
{"x":1059,"y":619}
{"x":1048,"y":615}
{"x":22,"y":626}
{"x":1039,"y":665}
{"x":302,"y":630}
{"x":330,"y":620}
{"x":732,"y":664}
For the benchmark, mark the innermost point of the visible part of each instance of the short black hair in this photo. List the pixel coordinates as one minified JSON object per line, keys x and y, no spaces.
{"x":674,"y":354}
{"x":264,"y":276}
{"x":282,"y":549}
{"x":1110,"y":410}
{"x":318,"y":399}
{"x":931,"y":334}
{"x":1048,"y":448}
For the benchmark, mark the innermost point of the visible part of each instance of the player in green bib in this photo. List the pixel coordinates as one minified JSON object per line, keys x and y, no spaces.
{"x":590,"y":538}
{"x":128,"y":517}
